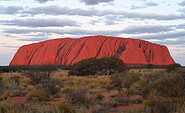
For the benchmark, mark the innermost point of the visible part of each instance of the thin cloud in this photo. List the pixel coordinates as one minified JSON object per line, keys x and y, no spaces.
{"x":165,"y":35}
{"x":79,"y":31}
{"x":33,"y":39}
{"x":133,"y":7}
{"x":179,"y":41}
{"x":57,"y":10}
{"x":146,"y":5}
{"x":11,"y":46}
{"x":95,"y":2}
{"x":146,"y":29}
{"x":151,"y":4}
{"x":10,"y":10}
{"x":93,"y":22}
{"x":41,"y":22}
{"x":43,"y":1}
{"x":182,"y":10}
{"x":7,"y":45}
{"x":182,"y":3}
{"x":9,"y":0}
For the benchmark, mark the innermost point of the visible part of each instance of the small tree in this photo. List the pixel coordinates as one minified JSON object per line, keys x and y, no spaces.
{"x":111,"y":65}
{"x":85,"y":67}
{"x":92,"y":66}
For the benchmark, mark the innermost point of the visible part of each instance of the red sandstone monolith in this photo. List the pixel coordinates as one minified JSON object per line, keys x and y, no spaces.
{"x":67,"y":51}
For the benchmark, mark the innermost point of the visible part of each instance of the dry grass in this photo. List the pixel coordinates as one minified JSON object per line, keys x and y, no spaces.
{"x":145,"y":71}
{"x":98,"y":89}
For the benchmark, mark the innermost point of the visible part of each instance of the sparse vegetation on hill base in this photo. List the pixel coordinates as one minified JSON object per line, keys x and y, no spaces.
{"x":148,"y":90}
{"x":172,"y":67}
{"x":6,"y":69}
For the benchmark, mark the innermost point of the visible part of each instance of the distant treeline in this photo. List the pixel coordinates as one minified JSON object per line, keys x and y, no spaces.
{"x":25,"y":68}
{"x":4,"y":69}
{"x":149,"y":66}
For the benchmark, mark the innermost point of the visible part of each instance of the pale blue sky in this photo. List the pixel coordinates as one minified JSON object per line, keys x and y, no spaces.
{"x":29,"y":21}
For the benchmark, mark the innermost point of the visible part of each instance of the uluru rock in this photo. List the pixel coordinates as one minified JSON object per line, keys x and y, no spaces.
{"x":67,"y":51}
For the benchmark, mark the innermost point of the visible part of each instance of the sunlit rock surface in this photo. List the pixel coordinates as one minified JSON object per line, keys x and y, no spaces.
{"x":67,"y":51}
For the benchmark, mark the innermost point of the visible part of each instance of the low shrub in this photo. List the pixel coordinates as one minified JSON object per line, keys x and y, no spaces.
{"x":39,"y":96}
{"x":99,"y":97}
{"x":116,"y":81}
{"x":136,"y":100}
{"x":38,"y":76}
{"x":124,"y":80}
{"x":130,"y":92}
{"x":66,"y":108}
{"x":67,"y":90}
{"x":170,"y":86}
{"x":15,"y":79}
{"x":172,"y":67}
{"x":141,"y":109}
{"x":51,"y":85}
{"x":179,"y":106}
{"x":4,"y":108}
{"x":1,"y":86}
{"x":144,"y":88}
{"x":17,"y":93}
{"x":78,"y":97}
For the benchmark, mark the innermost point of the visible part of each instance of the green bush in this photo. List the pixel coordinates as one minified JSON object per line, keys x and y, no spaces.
{"x":92,"y":66}
{"x":124,"y":80}
{"x":85,"y":67}
{"x":145,"y":86}
{"x":169,"y":86}
{"x":110,"y":65}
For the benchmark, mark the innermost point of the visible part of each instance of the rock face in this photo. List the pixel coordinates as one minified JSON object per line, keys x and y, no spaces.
{"x":67,"y":51}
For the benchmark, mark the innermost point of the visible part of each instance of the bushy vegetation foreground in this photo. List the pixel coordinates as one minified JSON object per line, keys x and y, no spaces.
{"x":127,"y":91}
